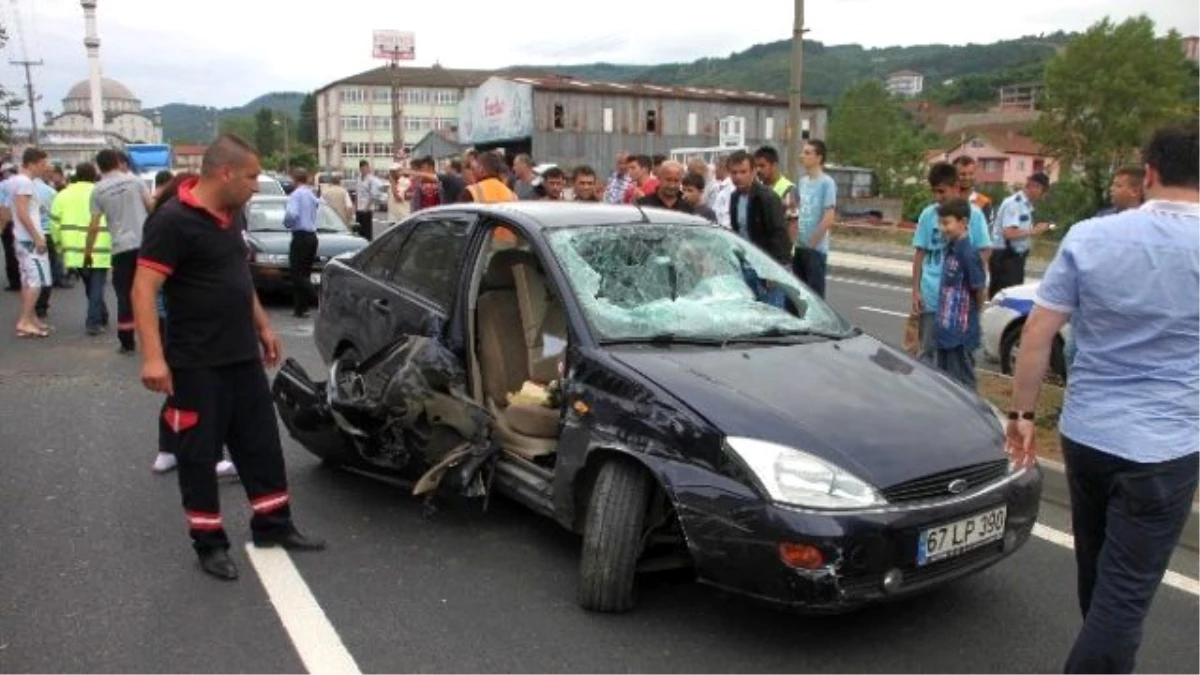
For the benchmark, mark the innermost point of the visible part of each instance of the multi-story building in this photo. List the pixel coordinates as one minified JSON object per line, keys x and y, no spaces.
{"x":1021,"y":96}
{"x":906,"y":83}
{"x":557,"y":119}
{"x":354,"y":114}
{"x":1191,"y":48}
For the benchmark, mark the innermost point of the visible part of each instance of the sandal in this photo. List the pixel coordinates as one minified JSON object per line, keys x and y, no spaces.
{"x":33,"y":333}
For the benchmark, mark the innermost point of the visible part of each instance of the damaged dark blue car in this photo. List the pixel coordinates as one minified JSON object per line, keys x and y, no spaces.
{"x":634,"y":375}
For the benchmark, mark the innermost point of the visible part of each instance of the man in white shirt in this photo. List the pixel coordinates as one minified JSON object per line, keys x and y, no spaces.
{"x":33,"y":259}
{"x":721,"y":195}
{"x":368,"y":188}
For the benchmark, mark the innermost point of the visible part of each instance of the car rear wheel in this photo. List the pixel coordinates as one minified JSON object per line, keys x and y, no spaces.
{"x":347,"y":455}
{"x":613,"y":537}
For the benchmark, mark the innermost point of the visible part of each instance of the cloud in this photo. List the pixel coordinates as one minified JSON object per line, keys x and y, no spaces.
{"x":225,"y":52}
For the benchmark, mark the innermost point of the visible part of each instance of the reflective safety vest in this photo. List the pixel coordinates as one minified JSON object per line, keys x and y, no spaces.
{"x":70,"y":216}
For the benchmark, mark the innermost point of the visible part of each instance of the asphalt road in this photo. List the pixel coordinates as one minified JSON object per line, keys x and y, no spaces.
{"x":96,"y":573}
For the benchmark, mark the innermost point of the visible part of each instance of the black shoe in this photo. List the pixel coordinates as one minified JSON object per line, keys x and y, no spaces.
{"x":292,"y":541}
{"x":218,"y":563}
{"x":127,"y":351}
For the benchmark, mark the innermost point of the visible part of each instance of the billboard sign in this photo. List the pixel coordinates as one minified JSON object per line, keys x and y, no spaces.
{"x":499,"y":110}
{"x":393,"y":45}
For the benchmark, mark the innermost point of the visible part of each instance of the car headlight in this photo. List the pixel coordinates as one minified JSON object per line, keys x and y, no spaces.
{"x":273,"y":258}
{"x":791,"y":476}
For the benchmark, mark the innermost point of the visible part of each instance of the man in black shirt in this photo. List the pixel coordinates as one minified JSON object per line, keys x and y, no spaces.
{"x":216,"y":387}
{"x":668,"y":195}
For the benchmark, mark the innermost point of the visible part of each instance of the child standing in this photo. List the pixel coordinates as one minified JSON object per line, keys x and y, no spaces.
{"x":961,"y":294}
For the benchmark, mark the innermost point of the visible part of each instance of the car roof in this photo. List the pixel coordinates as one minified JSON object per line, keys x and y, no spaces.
{"x":548,"y":215}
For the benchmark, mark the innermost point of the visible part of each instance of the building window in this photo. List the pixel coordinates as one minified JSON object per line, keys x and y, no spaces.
{"x":416,"y":96}
{"x":355,"y":149}
{"x":444,"y":122}
{"x":560,"y":116}
{"x":416,"y":123}
{"x":382,"y":95}
{"x":354,"y":123}
{"x":651,"y":121}
{"x":608,"y":120}
{"x":976,"y":143}
{"x":769,"y":128}
{"x":382,"y":150}
{"x":352,"y":96}
{"x":992,"y":165}
{"x":1020,"y":165}
{"x":381,"y":122}
{"x":693,"y":123}
{"x":445,"y":97}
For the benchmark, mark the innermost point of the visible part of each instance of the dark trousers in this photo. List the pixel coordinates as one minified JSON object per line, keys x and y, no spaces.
{"x":1007,"y":268}
{"x":959,"y":364}
{"x":365,"y":219}
{"x":809,"y":266}
{"x":228,"y":406}
{"x":1127,"y":518}
{"x":124,"y":265}
{"x":94,"y":282}
{"x":301,"y":255}
{"x":11,"y":270}
{"x":42,"y":308}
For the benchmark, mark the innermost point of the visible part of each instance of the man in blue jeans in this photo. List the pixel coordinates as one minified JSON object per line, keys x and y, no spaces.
{"x":817,"y":194}
{"x":1131,"y":424}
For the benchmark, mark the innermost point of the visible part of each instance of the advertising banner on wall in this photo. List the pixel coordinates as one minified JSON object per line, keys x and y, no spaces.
{"x":499,"y":110}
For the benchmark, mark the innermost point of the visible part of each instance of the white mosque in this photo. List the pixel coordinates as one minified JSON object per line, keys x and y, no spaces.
{"x":97,"y":112}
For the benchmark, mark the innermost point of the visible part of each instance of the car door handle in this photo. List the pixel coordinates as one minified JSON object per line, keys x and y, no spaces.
{"x":381,"y":306}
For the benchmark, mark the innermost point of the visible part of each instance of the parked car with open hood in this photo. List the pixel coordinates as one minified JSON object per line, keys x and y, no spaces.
{"x":631,"y":375}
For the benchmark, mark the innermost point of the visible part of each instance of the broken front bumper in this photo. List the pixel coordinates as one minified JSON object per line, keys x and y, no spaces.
{"x":738,"y":549}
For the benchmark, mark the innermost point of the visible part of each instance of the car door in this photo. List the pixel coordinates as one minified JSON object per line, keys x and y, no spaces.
{"x":417,"y":294}
{"x":350,"y":292}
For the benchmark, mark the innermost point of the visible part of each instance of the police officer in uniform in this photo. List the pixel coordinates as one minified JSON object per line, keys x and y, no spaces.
{"x":212,"y":368}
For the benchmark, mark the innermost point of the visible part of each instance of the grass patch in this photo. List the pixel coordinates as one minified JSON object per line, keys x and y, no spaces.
{"x":1044,"y":249}
{"x":998,"y":389}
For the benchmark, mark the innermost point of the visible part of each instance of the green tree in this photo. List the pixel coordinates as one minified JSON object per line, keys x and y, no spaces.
{"x":306,"y":130}
{"x":242,"y":126}
{"x":1105,"y":94}
{"x":265,"y":134}
{"x":868,"y":128}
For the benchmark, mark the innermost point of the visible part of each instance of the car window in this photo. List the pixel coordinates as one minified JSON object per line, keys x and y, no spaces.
{"x":645,"y":280}
{"x":379,"y":259}
{"x":430,"y":260}
{"x":269,"y":186}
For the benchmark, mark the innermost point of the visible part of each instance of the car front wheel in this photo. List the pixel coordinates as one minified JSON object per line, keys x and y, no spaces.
{"x":613,"y":537}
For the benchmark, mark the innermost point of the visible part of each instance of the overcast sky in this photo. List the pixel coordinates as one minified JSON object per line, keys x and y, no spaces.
{"x":226,"y":52}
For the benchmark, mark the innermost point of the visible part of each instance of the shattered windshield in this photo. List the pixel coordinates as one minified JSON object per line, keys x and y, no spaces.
{"x":642,"y":281}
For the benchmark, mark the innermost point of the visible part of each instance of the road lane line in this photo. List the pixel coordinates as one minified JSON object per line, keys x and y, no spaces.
{"x":320,"y":648}
{"x":902,"y":315}
{"x":1173,"y":579}
{"x":869,"y":284}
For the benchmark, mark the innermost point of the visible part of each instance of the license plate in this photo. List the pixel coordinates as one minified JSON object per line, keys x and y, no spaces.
{"x":950,"y":539}
{"x":316,"y":278}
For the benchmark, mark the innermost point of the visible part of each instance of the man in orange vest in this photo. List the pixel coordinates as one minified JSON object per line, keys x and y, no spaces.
{"x":488,"y":188}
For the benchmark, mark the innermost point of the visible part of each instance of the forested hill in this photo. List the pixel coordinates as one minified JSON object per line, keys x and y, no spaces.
{"x":976,"y":70}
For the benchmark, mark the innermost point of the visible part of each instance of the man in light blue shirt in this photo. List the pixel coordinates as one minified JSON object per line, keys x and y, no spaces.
{"x":300,"y":216}
{"x":1012,"y":234}
{"x":817,"y":194}
{"x":1130,"y":428}
{"x":930,"y":247}
{"x":46,"y":195}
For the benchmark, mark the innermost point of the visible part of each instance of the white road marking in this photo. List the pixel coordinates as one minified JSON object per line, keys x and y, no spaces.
{"x":1173,"y":579}
{"x":902,"y":315}
{"x":869,"y":284}
{"x":320,"y":648}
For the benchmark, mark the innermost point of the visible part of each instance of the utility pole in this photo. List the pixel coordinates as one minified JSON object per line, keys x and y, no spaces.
{"x":33,"y":137}
{"x":795,"y":125}
{"x":397,"y":110}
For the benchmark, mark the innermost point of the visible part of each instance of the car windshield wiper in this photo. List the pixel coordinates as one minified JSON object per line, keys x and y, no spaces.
{"x":771,"y":334}
{"x":663,"y":339}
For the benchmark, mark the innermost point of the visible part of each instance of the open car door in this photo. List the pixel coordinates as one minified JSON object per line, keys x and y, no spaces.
{"x":405,"y":410}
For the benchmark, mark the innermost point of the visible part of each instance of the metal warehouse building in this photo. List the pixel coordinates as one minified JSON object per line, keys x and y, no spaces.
{"x":554,"y":118}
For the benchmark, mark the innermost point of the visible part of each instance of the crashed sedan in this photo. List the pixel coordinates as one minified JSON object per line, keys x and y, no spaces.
{"x":666,"y":390}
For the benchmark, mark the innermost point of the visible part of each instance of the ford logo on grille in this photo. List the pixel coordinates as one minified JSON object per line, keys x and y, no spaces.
{"x":957,"y":486}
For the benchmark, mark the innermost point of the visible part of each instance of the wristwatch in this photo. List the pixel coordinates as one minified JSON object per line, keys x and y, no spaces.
{"x":1015,"y":415}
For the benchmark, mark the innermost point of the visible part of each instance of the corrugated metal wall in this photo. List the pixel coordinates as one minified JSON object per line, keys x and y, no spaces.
{"x":582,"y":138}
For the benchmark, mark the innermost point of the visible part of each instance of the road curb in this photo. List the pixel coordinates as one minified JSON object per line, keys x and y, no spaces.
{"x":876,"y":276}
